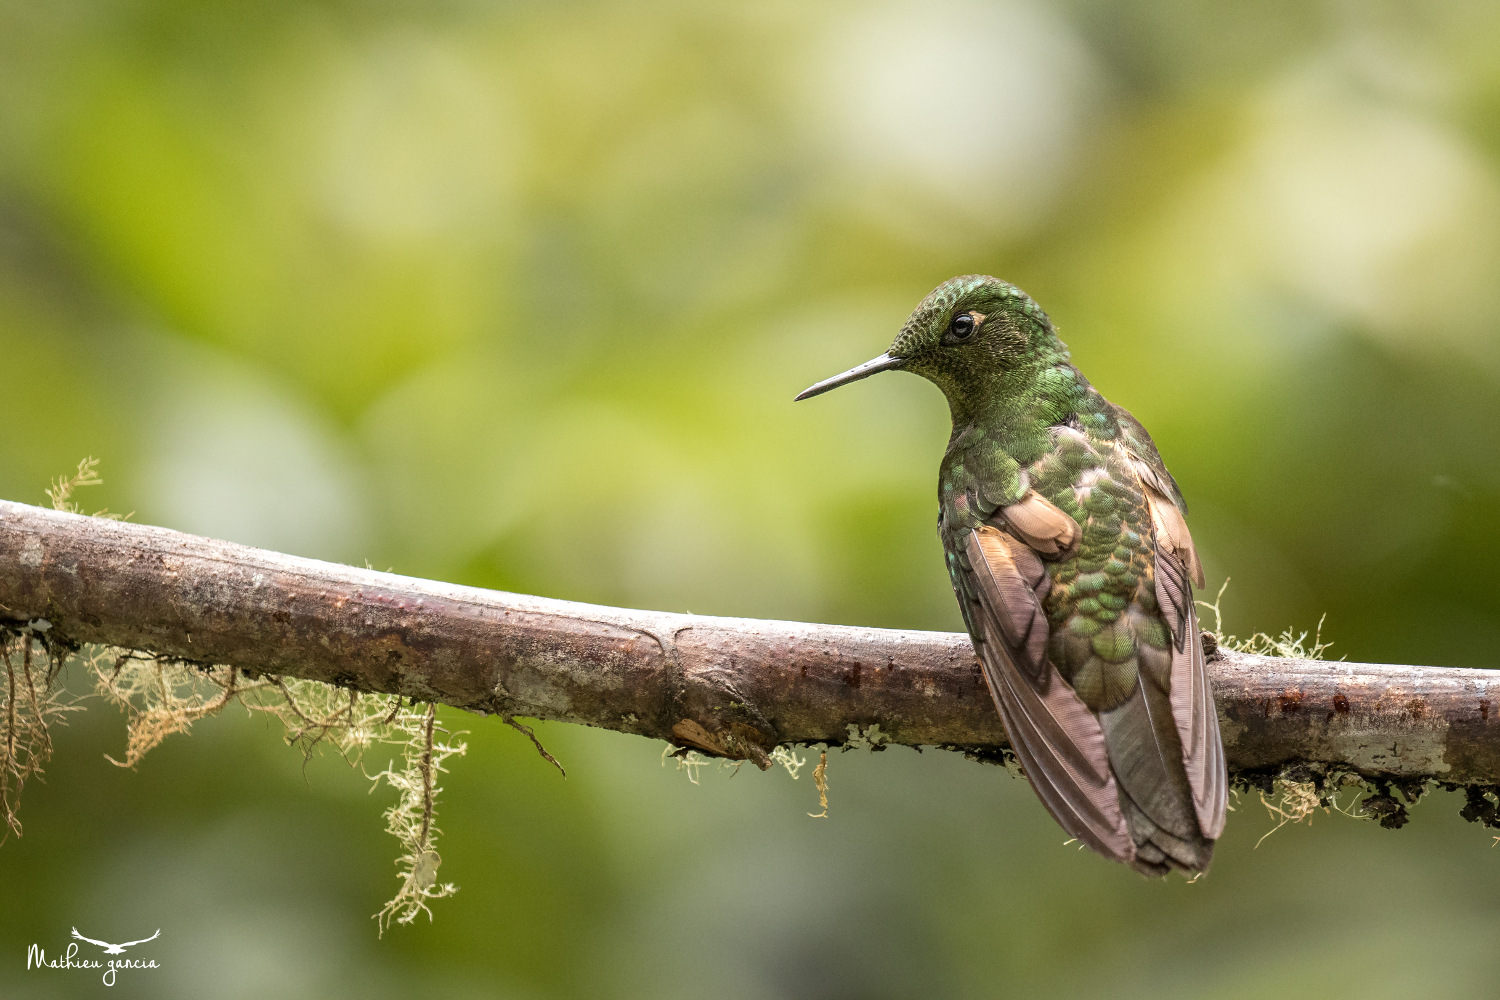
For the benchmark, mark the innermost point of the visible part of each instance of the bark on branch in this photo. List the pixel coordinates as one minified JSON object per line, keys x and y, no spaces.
{"x":733,"y":687}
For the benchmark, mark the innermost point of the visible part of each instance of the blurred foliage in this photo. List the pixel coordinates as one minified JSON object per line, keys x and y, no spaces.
{"x":517,"y":295}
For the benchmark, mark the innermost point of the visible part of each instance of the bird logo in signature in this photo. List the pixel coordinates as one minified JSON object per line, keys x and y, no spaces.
{"x":116,"y":949}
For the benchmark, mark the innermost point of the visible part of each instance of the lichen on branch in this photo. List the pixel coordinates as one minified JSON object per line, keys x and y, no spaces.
{"x":161,"y":697}
{"x":30,"y":705}
{"x":410,"y":820}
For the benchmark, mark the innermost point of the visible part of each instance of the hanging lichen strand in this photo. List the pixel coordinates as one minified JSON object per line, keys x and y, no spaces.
{"x":30,"y":704}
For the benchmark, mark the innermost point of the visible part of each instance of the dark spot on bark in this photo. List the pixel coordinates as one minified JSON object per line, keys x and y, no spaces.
{"x":852,"y":678}
{"x":1289,"y":701}
{"x":281,"y":617}
{"x":1479,"y":808}
{"x":1383,"y":807}
{"x":985,"y":755}
{"x":1484,"y":709}
{"x":1412,"y":790}
{"x":804,"y":671}
{"x":1248,"y":781}
{"x":1416,"y":708}
{"x":1341,"y":704}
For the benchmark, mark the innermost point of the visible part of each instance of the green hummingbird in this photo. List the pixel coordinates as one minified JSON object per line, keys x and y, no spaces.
{"x":1066,"y":543}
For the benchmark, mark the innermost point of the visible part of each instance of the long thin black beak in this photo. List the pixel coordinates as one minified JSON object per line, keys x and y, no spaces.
{"x":884,"y":363}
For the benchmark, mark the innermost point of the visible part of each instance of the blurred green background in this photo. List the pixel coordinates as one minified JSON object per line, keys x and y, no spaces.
{"x":517,"y":295}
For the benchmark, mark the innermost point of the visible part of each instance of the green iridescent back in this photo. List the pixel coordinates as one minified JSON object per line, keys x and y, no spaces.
{"x":1075,"y":448}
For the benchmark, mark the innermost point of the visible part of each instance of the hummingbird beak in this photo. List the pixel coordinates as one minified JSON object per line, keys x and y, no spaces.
{"x":884,"y":363}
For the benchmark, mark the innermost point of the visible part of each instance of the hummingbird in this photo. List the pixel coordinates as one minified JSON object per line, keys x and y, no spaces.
{"x":1069,"y":553}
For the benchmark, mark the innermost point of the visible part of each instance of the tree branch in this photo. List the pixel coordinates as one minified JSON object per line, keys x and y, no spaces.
{"x":732,"y":687}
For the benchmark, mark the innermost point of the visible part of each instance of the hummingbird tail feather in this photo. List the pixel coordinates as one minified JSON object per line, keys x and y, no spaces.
{"x":1145,"y":753}
{"x":1198,"y":725}
{"x":1193,"y":708}
{"x":1158,"y":852}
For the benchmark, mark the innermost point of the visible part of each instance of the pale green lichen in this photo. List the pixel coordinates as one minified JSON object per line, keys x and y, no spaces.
{"x":30,"y":704}
{"x":693,"y":762}
{"x":869,"y":738}
{"x":1296,"y":801}
{"x":820,"y":782}
{"x":788,"y":759}
{"x":410,"y":820}
{"x":87,"y":474}
{"x":1289,"y":644}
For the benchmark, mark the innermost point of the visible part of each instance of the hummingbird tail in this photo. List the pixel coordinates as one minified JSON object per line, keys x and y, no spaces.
{"x":1145,"y":753}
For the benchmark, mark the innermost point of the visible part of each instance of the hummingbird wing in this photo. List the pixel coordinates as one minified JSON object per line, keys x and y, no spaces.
{"x":1043,"y":525}
{"x":1058,"y":740}
{"x":1192,"y":699}
{"x":1121,"y":643}
{"x":1172,"y":535}
{"x":1168,"y":509}
{"x":1177,"y":569}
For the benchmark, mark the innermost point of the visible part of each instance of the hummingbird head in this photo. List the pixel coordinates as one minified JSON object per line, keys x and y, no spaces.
{"x":975,"y":337}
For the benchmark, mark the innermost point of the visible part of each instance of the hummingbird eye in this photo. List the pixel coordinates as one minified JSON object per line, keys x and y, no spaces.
{"x":963,"y":327}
